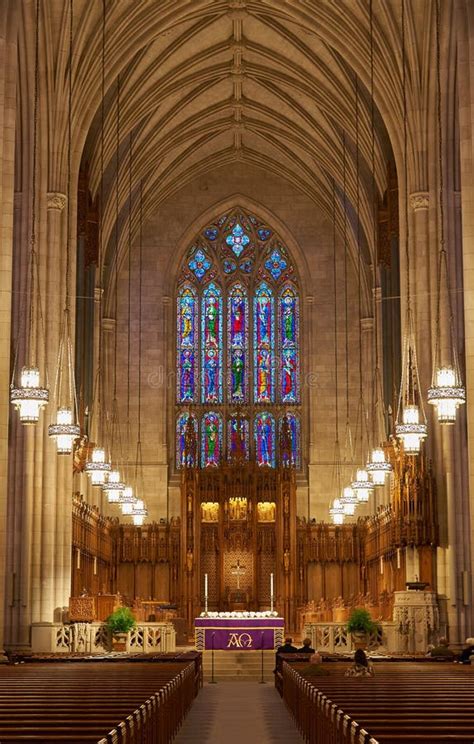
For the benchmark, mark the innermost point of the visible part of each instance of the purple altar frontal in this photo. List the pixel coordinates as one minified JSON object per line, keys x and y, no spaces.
{"x":238,"y":634}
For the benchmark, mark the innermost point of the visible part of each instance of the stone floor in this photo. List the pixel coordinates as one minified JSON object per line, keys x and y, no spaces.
{"x":238,"y":713}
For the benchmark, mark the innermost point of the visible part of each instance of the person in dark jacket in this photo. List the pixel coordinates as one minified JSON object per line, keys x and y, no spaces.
{"x":287,"y":647}
{"x":306,"y":648}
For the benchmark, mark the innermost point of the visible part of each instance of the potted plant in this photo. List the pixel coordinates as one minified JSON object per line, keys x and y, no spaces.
{"x":360,"y":625}
{"x":119,"y":623}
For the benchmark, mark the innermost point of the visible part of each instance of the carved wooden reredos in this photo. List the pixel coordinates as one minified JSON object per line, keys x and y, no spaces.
{"x":239,"y":524}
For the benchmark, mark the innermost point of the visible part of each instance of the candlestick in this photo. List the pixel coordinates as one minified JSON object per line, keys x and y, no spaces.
{"x":398,"y":558}
{"x":381,"y":564}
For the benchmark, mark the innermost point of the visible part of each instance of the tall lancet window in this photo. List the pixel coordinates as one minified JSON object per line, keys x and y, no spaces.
{"x":238,"y":343}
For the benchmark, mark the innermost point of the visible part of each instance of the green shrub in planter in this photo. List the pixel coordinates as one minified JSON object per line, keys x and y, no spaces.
{"x":120,"y":621}
{"x":360,"y":622}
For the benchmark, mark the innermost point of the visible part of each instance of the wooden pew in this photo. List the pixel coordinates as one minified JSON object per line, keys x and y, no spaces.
{"x":403,"y":703}
{"x":134,"y":703}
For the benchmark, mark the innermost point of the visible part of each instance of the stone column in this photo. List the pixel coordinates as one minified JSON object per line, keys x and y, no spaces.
{"x":9,"y":13}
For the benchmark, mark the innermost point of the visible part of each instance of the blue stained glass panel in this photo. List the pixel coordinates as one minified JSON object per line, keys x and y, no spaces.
{"x":276,"y":264}
{"x":229,"y":267}
{"x":211,"y":439}
{"x":199,"y":264}
{"x":238,"y":438}
{"x":180,"y":435}
{"x":264,"y":433}
{"x":264,"y":345}
{"x":211,"y":233}
{"x":246,"y":266}
{"x":289,"y":347}
{"x":211,"y":344}
{"x":186,"y":345}
{"x":264,"y":233}
{"x":238,"y":239}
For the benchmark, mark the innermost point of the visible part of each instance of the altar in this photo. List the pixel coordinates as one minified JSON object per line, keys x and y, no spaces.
{"x":238,"y":631}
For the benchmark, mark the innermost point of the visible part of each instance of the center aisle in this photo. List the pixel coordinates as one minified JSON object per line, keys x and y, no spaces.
{"x":238,"y":713}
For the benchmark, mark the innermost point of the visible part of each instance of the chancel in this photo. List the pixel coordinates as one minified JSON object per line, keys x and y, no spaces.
{"x":236,"y":319}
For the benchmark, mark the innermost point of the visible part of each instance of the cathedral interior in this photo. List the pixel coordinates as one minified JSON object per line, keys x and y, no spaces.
{"x":235,"y":272}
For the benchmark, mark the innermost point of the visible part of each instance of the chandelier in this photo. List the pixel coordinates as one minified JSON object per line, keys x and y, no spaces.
{"x":127,"y":501}
{"x":30,"y":396}
{"x":97,"y":467}
{"x":362,"y":486}
{"x":114,"y":487}
{"x":65,"y":431}
{"x":349,"y":501}
{"x":410,"y":426}
{"x":337,"y":512}
{"x":447,"y":392}
{"x":378,"y":467}
{"x":139,"y":512}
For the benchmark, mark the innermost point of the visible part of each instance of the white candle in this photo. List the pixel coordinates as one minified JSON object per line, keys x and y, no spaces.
{"x":271,"y":585}
{"x":78,"y":558}
{"x":381,"y":564}
{"x":205,"y":585}
{"x":398,"y":558}
{"x":95,"y":565}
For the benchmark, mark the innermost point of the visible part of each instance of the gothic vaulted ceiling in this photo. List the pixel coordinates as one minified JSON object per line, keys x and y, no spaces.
{"x":207,"y":83}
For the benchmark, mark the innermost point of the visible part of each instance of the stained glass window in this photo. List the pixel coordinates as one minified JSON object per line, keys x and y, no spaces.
{"x":187,"y":345}
{"x":238,"y":354}
{"x":237,"y":330}
{"x":238,"y":438}
{"x":211,"y":341}
{"x":264,"y":345}
{"x":264,"y":434}
{"x":211,"y":439}
{"x":289,"y":361}
{"x":180,"y":434}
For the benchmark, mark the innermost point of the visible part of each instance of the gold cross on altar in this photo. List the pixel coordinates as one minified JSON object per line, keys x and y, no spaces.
{"x":239,"y":571}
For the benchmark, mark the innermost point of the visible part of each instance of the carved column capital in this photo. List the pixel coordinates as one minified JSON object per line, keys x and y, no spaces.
{"x":56,"y":200}
{"x":108,"y":324}
{"x":98,"y":293}
{"x":419,"y":200}
{"x":367,"y":324}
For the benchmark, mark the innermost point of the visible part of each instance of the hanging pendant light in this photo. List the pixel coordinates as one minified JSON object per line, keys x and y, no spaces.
{"x":114,"y":487}
{"x":30,"y":396}
{"x":127,"y":501}
{"x":362,"y":486}
{"x":139,"y":513}
{"x":410,"y":425}
{"x":349,"y":501}
{"x":337,"y":512}
{"x":97,"y":467}
{"x":64,"y":431}
{"x":447,"y":392}
{"x":378,"y":467}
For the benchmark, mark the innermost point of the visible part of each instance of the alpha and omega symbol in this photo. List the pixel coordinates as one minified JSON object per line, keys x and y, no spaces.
{"x":239,"y":640}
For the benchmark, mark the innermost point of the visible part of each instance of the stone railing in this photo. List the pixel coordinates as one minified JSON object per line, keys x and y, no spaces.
{"x":94,"y":638}
{"x":333,"y":638}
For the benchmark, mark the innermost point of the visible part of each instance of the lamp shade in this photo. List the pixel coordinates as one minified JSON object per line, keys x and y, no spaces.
{"x":30,"y":397}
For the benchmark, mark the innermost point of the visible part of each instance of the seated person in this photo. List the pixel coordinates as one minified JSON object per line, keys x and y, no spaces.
{"x":361,"y":666}
{"x":306,"y":647}
{"x":442,"y":649}
{"x":467,"y":652}
{"x":287,"y":647}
